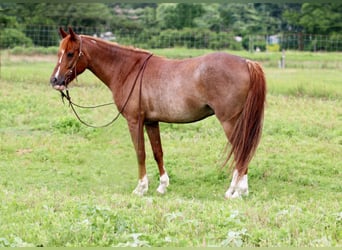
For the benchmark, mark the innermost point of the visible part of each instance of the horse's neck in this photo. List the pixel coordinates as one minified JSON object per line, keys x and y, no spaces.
{"x":111,"y":63}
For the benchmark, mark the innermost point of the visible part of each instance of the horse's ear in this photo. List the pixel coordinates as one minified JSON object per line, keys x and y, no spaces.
{"x":73,"y":35}
{"x":62,"y":32}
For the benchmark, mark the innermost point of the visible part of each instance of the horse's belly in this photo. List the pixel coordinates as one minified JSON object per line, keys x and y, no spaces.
{"x":179,"y":113}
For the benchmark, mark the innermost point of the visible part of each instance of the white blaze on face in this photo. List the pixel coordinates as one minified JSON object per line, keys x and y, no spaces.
{"x":59,"y":64}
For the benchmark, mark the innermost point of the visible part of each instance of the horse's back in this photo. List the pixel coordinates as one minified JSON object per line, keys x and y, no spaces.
{"x":218,"y":65}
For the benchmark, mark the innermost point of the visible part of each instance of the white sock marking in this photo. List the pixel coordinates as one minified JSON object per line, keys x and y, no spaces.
{"x":237,"y":188}
{"x":142,"y":187}
{"x":164,"y":183}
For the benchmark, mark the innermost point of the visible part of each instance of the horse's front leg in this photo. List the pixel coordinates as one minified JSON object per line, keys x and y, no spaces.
{"x":154,"y":136}
{"x":137,"y":133}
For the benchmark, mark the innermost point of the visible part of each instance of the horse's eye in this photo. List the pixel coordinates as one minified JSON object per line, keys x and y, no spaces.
{"x":70,"y":54}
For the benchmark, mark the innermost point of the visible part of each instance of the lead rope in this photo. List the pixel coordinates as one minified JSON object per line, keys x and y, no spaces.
{"x":73,"y":105}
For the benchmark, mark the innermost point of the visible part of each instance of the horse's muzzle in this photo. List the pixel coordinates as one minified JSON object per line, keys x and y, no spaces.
{"x":58,"y":84}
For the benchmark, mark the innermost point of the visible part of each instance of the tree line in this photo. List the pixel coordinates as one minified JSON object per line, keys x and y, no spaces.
{"x":154,"y":23}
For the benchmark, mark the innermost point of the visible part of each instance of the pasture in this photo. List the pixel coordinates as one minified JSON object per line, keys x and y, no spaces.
{"x":63,"y":184}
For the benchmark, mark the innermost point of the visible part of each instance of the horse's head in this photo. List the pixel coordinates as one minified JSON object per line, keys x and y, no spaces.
{"x":71,"y":60}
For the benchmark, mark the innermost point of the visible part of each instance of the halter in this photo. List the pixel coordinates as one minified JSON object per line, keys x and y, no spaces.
{"x":80,"y":53}
{"x":72,"y":104}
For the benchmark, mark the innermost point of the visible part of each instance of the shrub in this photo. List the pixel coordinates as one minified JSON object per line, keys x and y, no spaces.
{"x":12,"y":37}
{"x":191,"y":38}
{"x":273,"y":47}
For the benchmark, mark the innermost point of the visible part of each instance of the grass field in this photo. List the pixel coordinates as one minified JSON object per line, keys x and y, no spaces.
{"x":63,"y":184}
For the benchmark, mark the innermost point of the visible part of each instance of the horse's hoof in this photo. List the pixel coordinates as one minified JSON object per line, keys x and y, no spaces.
{"x":234,"y":192}
{"x":164,"y":183}
{"x":142,"y":187}
{"x":139,"y":192}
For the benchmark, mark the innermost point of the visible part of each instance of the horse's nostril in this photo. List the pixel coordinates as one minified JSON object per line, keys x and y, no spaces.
{"x":53,"y":80}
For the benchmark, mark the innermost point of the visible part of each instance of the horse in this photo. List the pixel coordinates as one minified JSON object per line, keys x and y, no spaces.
{"x":149,"y":89}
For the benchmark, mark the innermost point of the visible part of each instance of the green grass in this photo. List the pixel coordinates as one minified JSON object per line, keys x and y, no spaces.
{"x":293,"y":59}
{"x":323,"y":83}
{"x":63,"y":184}
{"x":34,"y":50}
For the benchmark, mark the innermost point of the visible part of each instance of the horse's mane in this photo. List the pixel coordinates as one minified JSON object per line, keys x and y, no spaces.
{"x":131,"y":48}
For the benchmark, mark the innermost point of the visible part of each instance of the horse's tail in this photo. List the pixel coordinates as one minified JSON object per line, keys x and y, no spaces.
{"x":246,"y":133}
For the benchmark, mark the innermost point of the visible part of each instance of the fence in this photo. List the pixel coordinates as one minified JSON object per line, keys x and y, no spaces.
{"x":296,"y":41}
{"x":189,"y":37}
{"x":42,"y":35}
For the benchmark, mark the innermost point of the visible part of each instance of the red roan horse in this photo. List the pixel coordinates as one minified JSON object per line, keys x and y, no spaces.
{"x":172,"y":91}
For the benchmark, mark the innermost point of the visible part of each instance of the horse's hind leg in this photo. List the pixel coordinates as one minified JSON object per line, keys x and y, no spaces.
{"x":239,"y":183}
{"x":238,"y":186}
{"x":154,"y":136}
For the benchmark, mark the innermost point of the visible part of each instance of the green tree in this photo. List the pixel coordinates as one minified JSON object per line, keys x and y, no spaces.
{"x":241,"y":19}
{"x":82,"y":15}
{"x":321,"y":18}
{"x":290,"y":18}
{"x":178,"y":16}
{"x":210,"y":19}
{"x":8,"y":22}
{"x":186,"y":13}
{"x":150,"y":16}
{"x":166,"y":15}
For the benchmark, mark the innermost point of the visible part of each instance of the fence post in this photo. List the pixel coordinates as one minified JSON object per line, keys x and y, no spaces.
{"x":282,"y":60}
{"x":251,"y":45}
